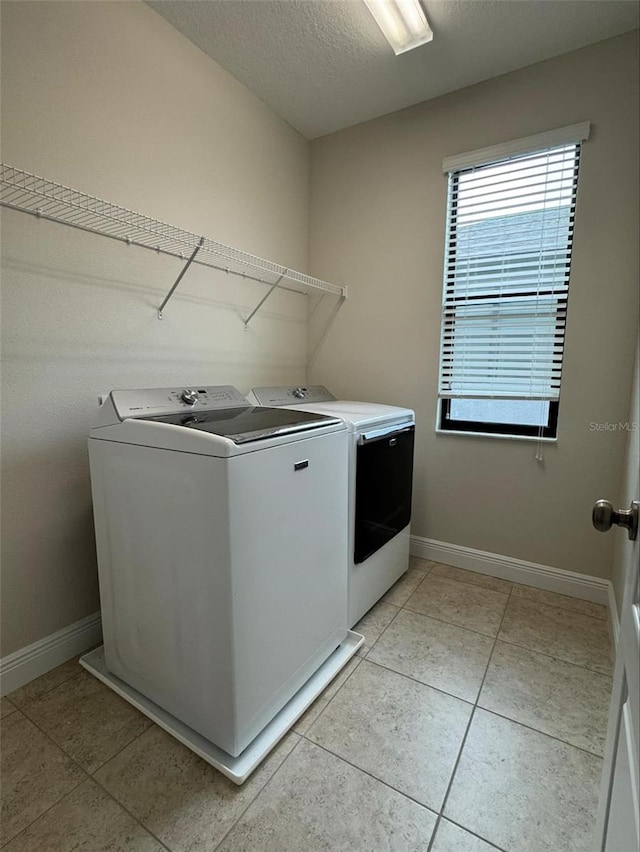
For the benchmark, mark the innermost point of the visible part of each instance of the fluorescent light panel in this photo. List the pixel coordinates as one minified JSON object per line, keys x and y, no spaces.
{"x":403,"y":23}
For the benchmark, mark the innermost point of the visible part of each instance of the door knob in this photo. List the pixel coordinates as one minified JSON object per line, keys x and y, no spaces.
{"x":605,"y":516}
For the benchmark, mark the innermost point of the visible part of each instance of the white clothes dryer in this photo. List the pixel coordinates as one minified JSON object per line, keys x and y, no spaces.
{"x":381,"y":442}
{"x":222,"y":564}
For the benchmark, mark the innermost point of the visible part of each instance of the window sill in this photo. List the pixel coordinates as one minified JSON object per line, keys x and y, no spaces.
{"x":496,"y":435}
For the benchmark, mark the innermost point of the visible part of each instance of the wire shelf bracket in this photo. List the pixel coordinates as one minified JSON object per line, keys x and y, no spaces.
{"x":38,"y":196}
{"x":180,"y":277}
{"x":261,"y":302}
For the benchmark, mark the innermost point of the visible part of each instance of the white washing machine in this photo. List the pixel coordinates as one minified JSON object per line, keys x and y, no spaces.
{"x":380,"y":485}
{"x":222,"y":564}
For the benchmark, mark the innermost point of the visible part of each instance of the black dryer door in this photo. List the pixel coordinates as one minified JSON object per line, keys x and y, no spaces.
{"x":384,"y":479}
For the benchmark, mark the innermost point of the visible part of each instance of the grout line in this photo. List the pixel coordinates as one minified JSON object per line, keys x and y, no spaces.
{"x":452,"y":623}
{"x":553,"y":657}
{"x":120,"y":750}
{"x":515,"y":584}
{"x":258,"y":792}
{"x":371,"y":775}
{"x":466,"y":733}
{"x":348,"y":678}
{"x":300,"y":737}
{"x":53,"y":688}
{"x":12,"y":709}
{"x":538,"y":731}
{"x":479,"y":837}
{"x":109,"y":759}
{"x":574,"y":611}
{"x":467,"y":582}
{"x":424,"y":577}
{"x":92,"y":778}
{"x":355,"y":657}
{"x":476,"y":701}
{"x":6,"y":840}
{"x":421,"y":682}
{"x":384,"y":630}
{"x":126,"y":809}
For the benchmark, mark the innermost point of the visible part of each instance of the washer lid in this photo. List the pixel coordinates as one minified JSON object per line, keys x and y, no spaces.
{"x":244,"y":424}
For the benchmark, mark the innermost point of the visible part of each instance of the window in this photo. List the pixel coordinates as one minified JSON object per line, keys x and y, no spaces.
{"x":510,"y":215}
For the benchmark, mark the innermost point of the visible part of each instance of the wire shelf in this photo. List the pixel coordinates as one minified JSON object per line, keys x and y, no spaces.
{"x":20,"y":190}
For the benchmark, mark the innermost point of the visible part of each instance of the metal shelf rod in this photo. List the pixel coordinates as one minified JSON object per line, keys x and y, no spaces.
{"x":180,"y":277}
{"x":261,"y":302}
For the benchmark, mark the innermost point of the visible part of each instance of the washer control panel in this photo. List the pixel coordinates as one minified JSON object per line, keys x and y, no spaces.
{"x":156,"y":401}
{"x":292,"y":395}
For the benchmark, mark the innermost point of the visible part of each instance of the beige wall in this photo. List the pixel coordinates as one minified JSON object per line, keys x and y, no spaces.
{"x":377,"y":224}
{"x":110,"y":99}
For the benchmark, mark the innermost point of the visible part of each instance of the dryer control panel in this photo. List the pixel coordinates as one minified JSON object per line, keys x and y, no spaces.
{"x":292,"y":395}
{"x":157,"y":401}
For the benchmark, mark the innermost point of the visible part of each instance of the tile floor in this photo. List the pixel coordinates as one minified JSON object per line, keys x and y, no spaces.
{"x":472,"y":720}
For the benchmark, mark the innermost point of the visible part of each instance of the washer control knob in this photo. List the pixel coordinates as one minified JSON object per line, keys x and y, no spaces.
{"x":299,"y":393}
{"x":189,"y":396}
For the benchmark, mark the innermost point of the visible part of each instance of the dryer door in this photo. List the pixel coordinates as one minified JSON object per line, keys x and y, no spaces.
{"x":384,"y":479}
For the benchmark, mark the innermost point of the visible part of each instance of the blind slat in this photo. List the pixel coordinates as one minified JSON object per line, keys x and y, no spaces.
{"x":506,"y":280}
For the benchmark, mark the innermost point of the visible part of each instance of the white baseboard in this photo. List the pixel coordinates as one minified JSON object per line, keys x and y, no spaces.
{"x":614,"y":618}
{"x":517,"y":570}
{"x":28,"y":663}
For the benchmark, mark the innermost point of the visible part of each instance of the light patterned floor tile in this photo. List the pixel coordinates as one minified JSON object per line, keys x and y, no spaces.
{"x":452,"y":838}
{"x":318,"y":803}
{"x":473,"y":577}
{"x":373,"y":624}
{"x":458,"y":603}
{"x":400,"y":731}
{"x":384,"y":720}
{"x":401,"y":591}
{"x":182,"y":800}
{"x":87,"y":719}
{"x":561,"y":601}
{"x":41,"y":685}
{"x":305,"y":721}
{"x":569,"y":636}
{"x":6,"y":708}
{"x":524,"y":791}
{"x":557,"y":698}
{"x":34,"y":774}
{"x":442,"y":655}
{"x":87,"y":819}
{"x":424,"y":565}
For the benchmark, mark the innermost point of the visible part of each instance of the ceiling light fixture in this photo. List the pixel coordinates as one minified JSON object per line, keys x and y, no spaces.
{"x":403,"y":23}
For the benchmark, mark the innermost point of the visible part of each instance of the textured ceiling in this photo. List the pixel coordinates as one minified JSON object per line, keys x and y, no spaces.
{"x":324,"y":65}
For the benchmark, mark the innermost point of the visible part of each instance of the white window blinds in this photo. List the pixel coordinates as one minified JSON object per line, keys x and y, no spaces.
{"x":506,"y":278}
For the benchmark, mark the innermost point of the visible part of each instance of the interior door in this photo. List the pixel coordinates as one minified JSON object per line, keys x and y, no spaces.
{"x":618,"y":824}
